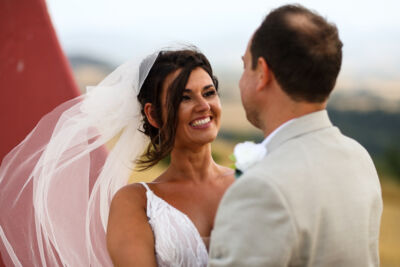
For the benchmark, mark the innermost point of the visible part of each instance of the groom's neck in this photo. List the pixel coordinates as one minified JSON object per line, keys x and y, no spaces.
{"x":281,"y":112}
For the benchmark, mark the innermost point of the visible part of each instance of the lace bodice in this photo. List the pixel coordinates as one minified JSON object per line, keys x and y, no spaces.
{"x":177,"y":240}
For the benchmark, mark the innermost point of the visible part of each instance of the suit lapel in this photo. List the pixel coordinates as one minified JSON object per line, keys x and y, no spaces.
{"x":300,"y":126}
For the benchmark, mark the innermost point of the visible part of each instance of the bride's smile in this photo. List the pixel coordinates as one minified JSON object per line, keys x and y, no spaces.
{"x":201,"y":123}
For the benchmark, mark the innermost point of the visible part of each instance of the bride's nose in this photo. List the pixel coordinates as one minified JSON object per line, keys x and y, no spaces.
{"x":202,"y":105}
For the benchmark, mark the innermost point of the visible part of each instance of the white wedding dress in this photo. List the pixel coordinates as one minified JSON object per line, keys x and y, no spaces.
{"x":177,"y":240}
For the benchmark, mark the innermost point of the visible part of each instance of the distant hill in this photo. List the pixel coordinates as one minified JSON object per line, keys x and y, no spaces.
{"x":371,"y":120}
{"x":78,"y":61}
{"x":89,"y":71}
{"x":362,"y":100}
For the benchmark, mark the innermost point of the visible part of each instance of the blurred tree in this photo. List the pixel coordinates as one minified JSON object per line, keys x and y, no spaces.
{"x":392,"y":161}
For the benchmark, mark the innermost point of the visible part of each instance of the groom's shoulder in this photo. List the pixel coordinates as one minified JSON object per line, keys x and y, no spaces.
{"x":324,"y":144}
{"x":322,"y":154}
{"x":304,"y":171}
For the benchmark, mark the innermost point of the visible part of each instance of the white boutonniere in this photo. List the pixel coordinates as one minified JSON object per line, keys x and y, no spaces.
{"x":246,"y":155}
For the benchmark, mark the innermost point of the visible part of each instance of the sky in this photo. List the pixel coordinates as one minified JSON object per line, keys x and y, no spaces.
{"x":118,"y":30}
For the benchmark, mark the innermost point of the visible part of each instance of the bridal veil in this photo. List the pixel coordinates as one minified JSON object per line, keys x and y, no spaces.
{"x":57,"y":184}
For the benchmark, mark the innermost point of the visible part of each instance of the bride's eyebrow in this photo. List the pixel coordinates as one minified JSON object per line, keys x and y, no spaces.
{"x":188,"y":90}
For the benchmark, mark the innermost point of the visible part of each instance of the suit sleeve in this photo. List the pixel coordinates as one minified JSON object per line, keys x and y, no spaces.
{"x":253,"y":226}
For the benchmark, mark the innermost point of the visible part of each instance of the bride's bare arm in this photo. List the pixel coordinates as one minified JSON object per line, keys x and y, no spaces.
{"x":130,"y":240}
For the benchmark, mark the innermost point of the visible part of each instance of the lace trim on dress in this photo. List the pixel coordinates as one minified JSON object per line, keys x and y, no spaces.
{"x":177,"y":240}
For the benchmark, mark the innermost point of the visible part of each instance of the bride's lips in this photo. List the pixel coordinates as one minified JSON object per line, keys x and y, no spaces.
{"x":201,"y":123}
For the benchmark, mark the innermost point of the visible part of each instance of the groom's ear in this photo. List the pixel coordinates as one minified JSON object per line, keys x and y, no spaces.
{"x":264,"y":73}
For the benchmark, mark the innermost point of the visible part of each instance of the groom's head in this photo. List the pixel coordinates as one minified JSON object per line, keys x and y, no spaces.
{"x":302,"y":49}
{"x":298,"y":50}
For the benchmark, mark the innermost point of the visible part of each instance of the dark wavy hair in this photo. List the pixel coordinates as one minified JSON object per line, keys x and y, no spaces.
{"x":167,"y":62}
{"x":302,"y":49}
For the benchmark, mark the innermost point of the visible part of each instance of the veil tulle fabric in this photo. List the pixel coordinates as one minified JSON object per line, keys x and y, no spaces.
{"x":56,"y":185}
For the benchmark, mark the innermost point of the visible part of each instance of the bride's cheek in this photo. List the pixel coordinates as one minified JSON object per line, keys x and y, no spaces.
{"x":217,"y":108}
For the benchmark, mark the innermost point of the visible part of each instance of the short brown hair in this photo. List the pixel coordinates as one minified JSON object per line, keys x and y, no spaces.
{"x":167,"y":62}
{"x":302,"y":49}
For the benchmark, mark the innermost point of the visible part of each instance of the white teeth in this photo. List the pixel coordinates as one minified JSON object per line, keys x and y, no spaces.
{"x":201,"y":122}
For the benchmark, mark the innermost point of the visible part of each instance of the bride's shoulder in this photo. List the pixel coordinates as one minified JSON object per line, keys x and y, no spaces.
{"x":131,"y":195}
{"x":129,"y":235}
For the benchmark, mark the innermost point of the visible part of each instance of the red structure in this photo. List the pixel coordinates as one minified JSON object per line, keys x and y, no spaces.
{"x":35,"y":75}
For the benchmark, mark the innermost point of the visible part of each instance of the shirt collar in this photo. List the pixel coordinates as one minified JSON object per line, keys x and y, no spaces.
{"x":271,"y":135}
{"x":302,"y":125}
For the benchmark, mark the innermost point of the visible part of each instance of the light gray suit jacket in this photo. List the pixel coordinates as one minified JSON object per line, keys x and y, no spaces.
{"x":314,"y":200}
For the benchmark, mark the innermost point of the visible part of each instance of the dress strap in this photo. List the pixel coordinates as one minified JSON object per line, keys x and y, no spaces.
{"x":146,"y":186}
{"x":149,"y":197}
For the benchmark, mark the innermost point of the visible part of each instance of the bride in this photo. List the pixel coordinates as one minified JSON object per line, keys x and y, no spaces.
{"x":182,"y":111}
{"x":57,"y":185}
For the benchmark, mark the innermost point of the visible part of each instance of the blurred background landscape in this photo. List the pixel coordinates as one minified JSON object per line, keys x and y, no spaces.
{"x":372,"y":120}
{"x":97,"y":36}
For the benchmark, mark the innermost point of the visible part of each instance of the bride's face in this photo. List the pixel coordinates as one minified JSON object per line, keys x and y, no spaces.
{"x":199,"y":112}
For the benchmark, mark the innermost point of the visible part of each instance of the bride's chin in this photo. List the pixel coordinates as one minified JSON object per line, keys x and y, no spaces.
{"x":203,"y":141}
{"x":195,"y":139}
{"x":206,"y":140}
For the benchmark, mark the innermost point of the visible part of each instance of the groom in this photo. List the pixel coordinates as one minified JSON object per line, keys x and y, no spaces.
{"x":314,"y":199}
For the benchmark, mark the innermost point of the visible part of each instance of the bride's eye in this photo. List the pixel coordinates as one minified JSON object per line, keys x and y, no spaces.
{"x":210,"y":93}
{"x":185,"y":97}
